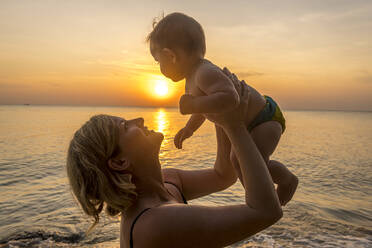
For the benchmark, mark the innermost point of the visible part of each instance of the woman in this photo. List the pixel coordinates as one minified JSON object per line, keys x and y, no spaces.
{"x":114,"y":162}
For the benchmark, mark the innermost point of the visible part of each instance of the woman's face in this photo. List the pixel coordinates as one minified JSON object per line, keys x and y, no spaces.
{"x":136,"y":141}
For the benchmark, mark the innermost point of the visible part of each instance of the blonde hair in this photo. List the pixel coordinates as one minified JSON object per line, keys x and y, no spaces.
{"x":92,"y":182}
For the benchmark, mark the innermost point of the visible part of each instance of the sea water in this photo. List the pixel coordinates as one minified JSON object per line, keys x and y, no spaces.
{"x":330,"y":152}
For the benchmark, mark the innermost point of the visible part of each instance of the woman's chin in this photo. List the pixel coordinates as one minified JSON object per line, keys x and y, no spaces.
{"x":158,"y":139}
{"x":160,"y":136}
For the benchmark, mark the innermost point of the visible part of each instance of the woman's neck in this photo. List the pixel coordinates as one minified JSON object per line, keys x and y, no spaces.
{"x":152,"y":191}
{"x":150,"y":187}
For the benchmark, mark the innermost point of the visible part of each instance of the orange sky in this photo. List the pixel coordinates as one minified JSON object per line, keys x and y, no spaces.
{"x":306,"y":54}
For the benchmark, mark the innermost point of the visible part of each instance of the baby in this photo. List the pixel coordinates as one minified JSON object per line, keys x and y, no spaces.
{"x":177,"y":43}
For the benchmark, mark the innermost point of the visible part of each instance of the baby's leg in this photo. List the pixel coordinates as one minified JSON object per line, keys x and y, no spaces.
{"x":286,"y":180}
{"x":276,"y":169}
{"x":267,"y":136}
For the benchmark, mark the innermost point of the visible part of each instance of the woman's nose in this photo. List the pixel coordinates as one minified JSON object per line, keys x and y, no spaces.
{"x":139,"y":121}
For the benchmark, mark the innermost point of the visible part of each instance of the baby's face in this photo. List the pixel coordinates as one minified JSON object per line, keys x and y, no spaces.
{"x":168,"y":63}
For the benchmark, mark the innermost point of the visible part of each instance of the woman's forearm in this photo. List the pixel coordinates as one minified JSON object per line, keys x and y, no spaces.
{"x":223,"y":166}
{"x":259,"y":187}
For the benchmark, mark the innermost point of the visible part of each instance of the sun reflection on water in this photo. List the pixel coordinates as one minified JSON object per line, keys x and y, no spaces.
{"x":162,"y":125}
{"x":162,"y":122}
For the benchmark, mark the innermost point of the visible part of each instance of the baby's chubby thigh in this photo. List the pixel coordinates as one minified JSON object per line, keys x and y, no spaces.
{"x":267,"y":136}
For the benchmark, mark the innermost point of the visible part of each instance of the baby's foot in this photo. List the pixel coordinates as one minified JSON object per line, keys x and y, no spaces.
{"x":286,"y":190}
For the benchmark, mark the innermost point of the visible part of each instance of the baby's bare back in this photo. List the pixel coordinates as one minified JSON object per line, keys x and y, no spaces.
{"x":256,"y":101}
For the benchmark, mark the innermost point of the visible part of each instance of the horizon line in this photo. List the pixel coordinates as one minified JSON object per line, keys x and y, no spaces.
{"x":169,"y":107}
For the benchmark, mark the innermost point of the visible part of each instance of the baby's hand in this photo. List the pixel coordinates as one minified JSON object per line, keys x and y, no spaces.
{"x":186,"y":105}
{"x":183,"y":134}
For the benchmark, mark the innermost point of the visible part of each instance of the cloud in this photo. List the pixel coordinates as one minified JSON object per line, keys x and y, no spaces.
{"x":13,"y":85}
{"x":127,"y":66}
{"x":365,"y":79}
{"x":53,"y":84}
{"x":249,"y":74}
{"x":329,"y":15}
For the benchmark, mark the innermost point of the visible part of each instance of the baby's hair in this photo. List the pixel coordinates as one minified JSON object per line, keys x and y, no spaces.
{"x":178,"y":30}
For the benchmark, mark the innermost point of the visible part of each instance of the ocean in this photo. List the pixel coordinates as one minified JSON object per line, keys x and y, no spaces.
{"x":329,"y":151}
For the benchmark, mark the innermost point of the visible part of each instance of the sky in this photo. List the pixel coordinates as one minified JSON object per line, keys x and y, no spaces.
{"x":308,"y":55}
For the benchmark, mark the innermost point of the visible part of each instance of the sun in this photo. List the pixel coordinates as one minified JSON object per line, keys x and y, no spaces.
{"x":161,"y":88}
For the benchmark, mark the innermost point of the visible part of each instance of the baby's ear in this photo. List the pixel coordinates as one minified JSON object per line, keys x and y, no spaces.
{"x":118,"y":164}
{"x":169,"y":54}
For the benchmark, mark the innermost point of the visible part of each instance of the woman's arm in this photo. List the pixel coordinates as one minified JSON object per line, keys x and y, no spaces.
{"x":259,"y":187}
{"x":180,"y":225}
{"x":198,"y":183}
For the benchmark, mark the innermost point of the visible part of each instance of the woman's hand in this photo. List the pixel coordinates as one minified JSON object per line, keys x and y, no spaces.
{"x":236,"y":116}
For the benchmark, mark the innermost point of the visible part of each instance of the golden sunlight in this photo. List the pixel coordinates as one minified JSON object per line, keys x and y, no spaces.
{"x":161,"y":88}
{"x":162,"y":125}
{"x":162,"y":121}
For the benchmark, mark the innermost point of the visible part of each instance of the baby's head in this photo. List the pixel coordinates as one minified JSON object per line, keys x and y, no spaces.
{"x":176,"y":41}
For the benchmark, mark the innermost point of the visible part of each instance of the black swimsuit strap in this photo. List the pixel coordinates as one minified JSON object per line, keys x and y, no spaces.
{"x":143,"y":211}
{"x":131,"y":228}
{"x":183,"y":197}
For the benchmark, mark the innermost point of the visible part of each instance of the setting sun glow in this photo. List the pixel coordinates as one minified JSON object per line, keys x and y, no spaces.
{"x":161,"y":88}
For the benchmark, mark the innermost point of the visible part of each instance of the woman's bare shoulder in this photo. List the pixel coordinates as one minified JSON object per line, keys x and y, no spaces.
{"x":171,"y":175}
{"x":181,"y":225}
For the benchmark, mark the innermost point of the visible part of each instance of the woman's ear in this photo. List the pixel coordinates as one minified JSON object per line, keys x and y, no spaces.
{"x":170,"y":54}
{"x":119,"y":164}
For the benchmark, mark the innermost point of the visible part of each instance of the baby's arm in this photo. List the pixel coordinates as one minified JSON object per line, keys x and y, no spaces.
{"x":195,"y":121}
{"x":220,"y":94}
